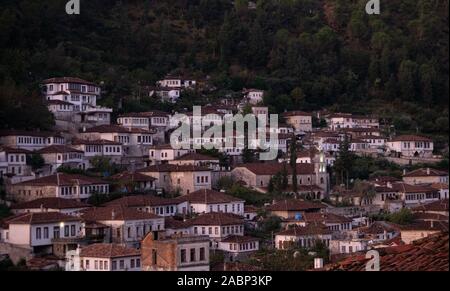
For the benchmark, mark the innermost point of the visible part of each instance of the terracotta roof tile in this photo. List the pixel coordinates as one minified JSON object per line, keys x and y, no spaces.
{"x":51,"y":203}
{"x":116,"y":212}
{"x":206,"y":196}
{"x":108,"y":251}
{"x":40,"y":218}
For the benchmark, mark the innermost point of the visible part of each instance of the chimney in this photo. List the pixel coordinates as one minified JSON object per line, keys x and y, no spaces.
{"x":428,"y":171}
{"x":404,"y":172}
{"x":318,"y":263}
{"x":113,"y":214}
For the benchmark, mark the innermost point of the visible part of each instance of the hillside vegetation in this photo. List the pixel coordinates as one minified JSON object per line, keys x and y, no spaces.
{"x":307,"y":54}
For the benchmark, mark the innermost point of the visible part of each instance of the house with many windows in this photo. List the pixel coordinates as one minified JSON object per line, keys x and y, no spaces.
{"x":410,"y":146}
{"x":13,"y":161}
{"x":61,"y":185}
{"x":103,"y":257}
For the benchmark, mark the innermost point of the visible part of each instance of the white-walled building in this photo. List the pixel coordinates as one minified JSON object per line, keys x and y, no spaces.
{"x":164,"y":153}
{"x":303,"y":236}
{"x":208,"y":201}
{"x":51,"y":204}
{"x":253,"y":96}
{"x":103,"y":257}
{"x":13,"y":161}
{"x":67,"y":186}
{"x":29,"y":140}
{"x":410,"y":146}
{"x":61,"y":155}
{"x":301,"y":121}
{"x":128,"y":226}
{"x":37,"y":230}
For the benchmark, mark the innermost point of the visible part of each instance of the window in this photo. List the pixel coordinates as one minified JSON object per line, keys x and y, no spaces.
{"x":183,"y":256}
{"x":46,"y":232}
{"x":38,"y":233}
{"x":122,"y":264}
{"x":96,"y":264}
{"x":106,"y":265}
{"x":132,"y":264}
{"x":114,"y":265}
{"x":138,"y":263}
{"x":202,"y":254}
{"x":192,"y":257}
{"x":66,"y":230}
{"x":87,"y":264}
{"x":56,"y":232}
{"x":72,"y":230}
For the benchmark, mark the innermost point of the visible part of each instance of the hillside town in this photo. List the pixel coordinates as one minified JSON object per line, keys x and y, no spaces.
{"x":112,"y":192}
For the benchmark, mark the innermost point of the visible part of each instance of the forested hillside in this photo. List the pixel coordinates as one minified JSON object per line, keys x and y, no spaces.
{"x":307,"y":54}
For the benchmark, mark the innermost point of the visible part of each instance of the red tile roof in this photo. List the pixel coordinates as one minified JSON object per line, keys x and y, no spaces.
{"x":104,"y":250}
{"x":67,"y":80}
{"x":94,"y":142}
{"x":408,"y":188}
{"x":272,"y":168}
{"x":216,"y":218}
{"x":239,"y":239}
{"x":309,"y":229}
{"x":141,"y":201}
{"x":128,"y":177}
{"x":62,"y":179}
{"x":428,"y":254}
{"x":411,"y":138}
{"x":58,"y":149}
{"x":11,"y":150}
{"x":426,"y":226}
{"x":116,"y":212}
{"x":295,"y":205}
{"x":113,"y":128}
{"x":296,"y":113}
{"x":325,"y":218}
{"x":40,"y":218}
{"x":173,"y":168}
{"x":196,"y":157}
{"x":51,"y":203}
{"x":422,"y":172}
{"x":13,"y":132}
{"x":206,"y":196}
{"x":440,"y":205}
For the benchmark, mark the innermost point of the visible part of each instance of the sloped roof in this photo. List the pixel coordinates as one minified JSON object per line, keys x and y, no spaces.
{"x":295,"y":205}
{"x":103,"y":250}
{"x":206,"y":196}
{"x":428,"y":254}
{"x":51,"y":203}
{"x":41,"y":218}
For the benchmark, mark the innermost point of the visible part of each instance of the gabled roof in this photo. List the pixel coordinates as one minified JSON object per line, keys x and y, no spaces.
{"x":128,"y":177}
{"x":113,"y":128}
{"x":428,"y":172}
{"x":173,"y":168}
{"x":408,"y":188}
{"x":271,"y":168}
{"x":11,"y":150}
{"x":440,"y":205}
{"x":196,"y":157}
{"x":309,"y":229}
{"x":141,"y":201}
{"x":216,"y":218}
{"x":411,"y":138}
{"x":428,"y":254}
{"x":94,"y":142}
{"x":62,"y":179}
{"x":103,"y":250}
{"x":58,"y":149}
{"x":51,"y":203}
{"x":325,"y":218}
{"x":67,"y":80}
{"x":40,"y":218}
{"x":116,"y":212}
{"x":13,"y":132}
{"x":206,"y":196}
{"x":295,"y":205}
{"x":239,"y":239}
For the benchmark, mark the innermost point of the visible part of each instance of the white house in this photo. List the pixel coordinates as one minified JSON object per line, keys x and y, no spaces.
{"x":208,"y":201}
{"x":61,"y":155}
{"x":410,"y":146}
{"x":37,"y":230}
{"x":51,"y":204}
{"x":301,"y":121}
{"x":253,"y":96}
{"x":13,"y":161}
{"x":68,"y":186}
{"x":163,"y":153}
{"x":238,"y":247}
{"x":303,"y":236}
{"x":128,"y":226}
{"x":30,"y":140}
{"x":99,"y":148}
{"x":103,"y":257}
